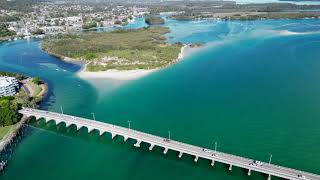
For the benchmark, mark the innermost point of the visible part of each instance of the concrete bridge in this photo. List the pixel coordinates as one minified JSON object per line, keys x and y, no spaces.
{"x":168,"y":144}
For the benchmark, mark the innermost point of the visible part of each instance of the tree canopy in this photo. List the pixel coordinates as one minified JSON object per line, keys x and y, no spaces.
{"x":8,"y":111}
{"x":36,"y":80}
{"x":4,"y":31}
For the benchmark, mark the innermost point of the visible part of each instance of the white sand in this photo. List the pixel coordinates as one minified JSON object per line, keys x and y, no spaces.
{"x":115,"y":74}
{"x":128,"y":74}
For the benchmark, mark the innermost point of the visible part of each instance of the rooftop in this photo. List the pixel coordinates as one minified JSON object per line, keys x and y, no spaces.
{"x":6,"y":81}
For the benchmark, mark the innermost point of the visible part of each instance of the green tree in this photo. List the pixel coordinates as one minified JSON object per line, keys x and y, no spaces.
{"x":4,"y":31}
{"x":38,"y":32}
{"x":89,"y":25}
{"x":8,"y":111}
{"x":36,"y":80}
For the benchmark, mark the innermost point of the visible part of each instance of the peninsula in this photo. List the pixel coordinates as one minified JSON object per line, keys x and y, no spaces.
{"x":17,"y":91}
{"x":130,"y":52}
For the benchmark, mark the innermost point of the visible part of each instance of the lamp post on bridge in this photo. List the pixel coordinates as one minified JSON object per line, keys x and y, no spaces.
{"x":169,"y":135}
{"x":129,"y":124}
{"x":270,"y":159}
{"x":215,"y":147}
{"x":94,"y":117}
{"x":61,"y":109}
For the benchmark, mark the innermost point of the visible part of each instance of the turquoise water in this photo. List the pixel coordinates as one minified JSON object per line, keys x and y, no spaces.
{"x":254,"y":89}
{"x":277,"y":1}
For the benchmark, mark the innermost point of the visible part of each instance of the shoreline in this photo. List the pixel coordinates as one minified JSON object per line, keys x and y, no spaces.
{"x":7,"y":139}
{"x":126,"y":75}
{"x":122,"y":75}
{"x":62,"y":58}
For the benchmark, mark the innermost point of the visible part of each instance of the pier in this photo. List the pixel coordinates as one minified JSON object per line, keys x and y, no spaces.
{"x":169,"y":144}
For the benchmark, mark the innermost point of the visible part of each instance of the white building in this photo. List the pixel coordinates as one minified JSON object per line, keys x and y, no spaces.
{"x":8,"y":86}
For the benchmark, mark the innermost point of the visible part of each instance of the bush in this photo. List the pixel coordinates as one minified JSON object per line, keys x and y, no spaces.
{"x":154,"y":20}
{"x":89,"y":25}
{"x":38,"y":32}
{"x":8,"y":111}
{"x":36,"y":80}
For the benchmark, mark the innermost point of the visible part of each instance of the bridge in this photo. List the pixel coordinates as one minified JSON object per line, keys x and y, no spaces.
{"x":169,"y":144}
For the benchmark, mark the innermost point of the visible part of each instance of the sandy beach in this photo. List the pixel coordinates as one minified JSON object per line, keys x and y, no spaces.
{"x":130,"y":74}
{"x":115,"y":74}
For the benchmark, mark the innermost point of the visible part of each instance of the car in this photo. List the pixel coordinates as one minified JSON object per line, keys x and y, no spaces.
{"x":206,"y":150}
{"x":259,"y":163}
{"x":166,"y":140}
{"x":253,"y":164}
{"x":214,"y":154}
{"x":301,"y":176}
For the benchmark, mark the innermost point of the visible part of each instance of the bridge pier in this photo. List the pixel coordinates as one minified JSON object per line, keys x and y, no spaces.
{"x":79,"y":127}
{"x":101,"y":132}
{"x":249,"y":172}
{"x":180,"y":154}
{"x":196,"y":159}
{"x":230,"y":167}
{"x":269,"y":177}
{"x":212,"y":163}
{"x":67,"y":124}
{"x":151,"y":147}
{"x":125,"y":138}
{"x":57,"y":122}
{"x":90,"y":129}
{"x":165,"y":150}
{"x":113,"y":135}
{"x":137,"y":144}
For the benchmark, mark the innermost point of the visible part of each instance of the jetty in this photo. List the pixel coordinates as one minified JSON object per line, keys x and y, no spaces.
{"x":169,"y":144}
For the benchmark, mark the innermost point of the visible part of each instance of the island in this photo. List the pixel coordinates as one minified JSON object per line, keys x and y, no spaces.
{"x":120,"y":50}
{"x":153,"y":20}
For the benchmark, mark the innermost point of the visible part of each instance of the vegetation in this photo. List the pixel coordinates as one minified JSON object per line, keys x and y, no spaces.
{"x":89,"y":25}
{"x":8,"y":111}
{"x":18,"y":5}
{"x":153,"y":20}
{"x":15,"y":75}
{"x":36,"y":80}
{"x":4,"y":31}
{"x":35,"y":86}
{"x":276,"y":15}
{"x":10,"y":105}
{"x":248,"y":16}
{"x":118,"y":22}
{"x":143,"y":48}
{"x":38,"y":32}
{"x":9,"y":18}
{"x":5,"y":130}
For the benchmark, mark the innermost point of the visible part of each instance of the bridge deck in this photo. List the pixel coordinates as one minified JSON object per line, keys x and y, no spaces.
{"x":182,"y":148}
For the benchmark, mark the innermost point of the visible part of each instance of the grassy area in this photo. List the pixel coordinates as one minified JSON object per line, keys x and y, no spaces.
{"x":5,"y":130}
{"x":36,"y":89}
{"x":123,"y":49}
